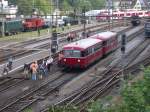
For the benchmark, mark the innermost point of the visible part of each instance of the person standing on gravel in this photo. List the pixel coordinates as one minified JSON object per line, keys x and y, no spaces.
{"x":26,"y":70}
{"x":49,"y":63}
{"x":34,"y":68}
{"x":5,"y":70}
{"x":10,"y":62}
{"x":60,"y":57}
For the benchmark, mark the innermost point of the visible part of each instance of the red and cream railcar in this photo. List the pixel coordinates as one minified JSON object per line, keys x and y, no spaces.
{"x":82,"y":53}
{"x":110,"y":40}
{"x":122,"y":14}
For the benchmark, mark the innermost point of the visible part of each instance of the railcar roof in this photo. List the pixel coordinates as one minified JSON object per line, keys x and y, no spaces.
{"x":83,"y":44}
{"x":104,"y":35}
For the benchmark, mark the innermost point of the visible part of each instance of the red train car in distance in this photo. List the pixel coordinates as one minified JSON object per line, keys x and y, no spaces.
{"x":82,"y":53}
{"x":33,"y":23}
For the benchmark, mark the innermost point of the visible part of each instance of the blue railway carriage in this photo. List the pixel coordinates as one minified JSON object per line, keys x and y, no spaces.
{"x":147,"y":29}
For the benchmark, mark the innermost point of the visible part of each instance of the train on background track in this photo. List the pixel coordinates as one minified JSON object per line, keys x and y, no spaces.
{"x":82,"y":53}
{"x":105,"y":15}
{"x":12,"y":27}
{"x":135,"y":20}
{"x":15,"y":26}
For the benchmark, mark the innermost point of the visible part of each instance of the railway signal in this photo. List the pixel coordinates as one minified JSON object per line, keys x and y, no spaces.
{"x":123,"y":43}
{"x":54,"y":42}
{"x":123,"y":48}
{"x":84,"y":22}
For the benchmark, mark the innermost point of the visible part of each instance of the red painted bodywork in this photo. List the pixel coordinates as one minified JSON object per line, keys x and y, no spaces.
{"x":84,"y":61}
{"x":33,"y":23}
{"x":109,"y":46}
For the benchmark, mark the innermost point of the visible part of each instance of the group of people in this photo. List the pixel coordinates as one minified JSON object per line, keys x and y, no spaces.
{"x":38,"y":70}
{"x":86,"y":34}
{"x":71,"y":36}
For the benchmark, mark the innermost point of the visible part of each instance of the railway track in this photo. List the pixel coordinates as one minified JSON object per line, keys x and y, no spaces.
{"x":55,"y":56}
{"x":29,"y":97}
{"x":8,"y":83}
{"x":23,"y":100}
{"x":26,"y":103}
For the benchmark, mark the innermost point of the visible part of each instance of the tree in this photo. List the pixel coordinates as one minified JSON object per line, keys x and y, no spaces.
{"x":146,"y":89}
{"x":66,"y":6}
{"x":25,"y":6}
{"x":133,"y":98}
{"x":98,"y":4}
{"x":44,"y":6}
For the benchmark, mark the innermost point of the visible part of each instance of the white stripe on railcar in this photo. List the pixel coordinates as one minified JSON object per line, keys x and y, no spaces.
{"x":84,"y":43}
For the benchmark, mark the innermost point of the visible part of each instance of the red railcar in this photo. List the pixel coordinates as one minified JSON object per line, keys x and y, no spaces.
{"x":82,"y":53}
{"x":33,"y":24}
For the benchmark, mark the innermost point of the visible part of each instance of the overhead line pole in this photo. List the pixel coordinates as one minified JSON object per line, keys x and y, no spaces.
{"x":84,"y":21}
{"x":3,"y":22}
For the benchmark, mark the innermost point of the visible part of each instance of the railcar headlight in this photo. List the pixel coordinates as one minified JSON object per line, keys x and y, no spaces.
{"x":64,"y":59}
{"x":78,"y":60}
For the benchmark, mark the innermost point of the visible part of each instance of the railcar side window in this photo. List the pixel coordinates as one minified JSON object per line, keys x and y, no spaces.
{"x":72,"y":53}
{"x":97,"y":47}
{"x":84,"y":53}
{"x":104,"y":43}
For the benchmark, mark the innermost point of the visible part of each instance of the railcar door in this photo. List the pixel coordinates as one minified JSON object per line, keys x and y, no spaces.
{"x":104,"y":47}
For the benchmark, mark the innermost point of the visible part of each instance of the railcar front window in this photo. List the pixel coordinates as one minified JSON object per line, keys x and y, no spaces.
{"x":72,"y":53}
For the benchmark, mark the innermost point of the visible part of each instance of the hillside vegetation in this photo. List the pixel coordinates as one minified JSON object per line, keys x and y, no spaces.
{"x":44,"y":6}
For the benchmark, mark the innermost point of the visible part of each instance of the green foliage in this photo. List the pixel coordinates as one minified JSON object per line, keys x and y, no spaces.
{"x":44,"y":6}
{"x":28,"y":110}
{"x":146,"y":88}
{"x":133,"y":98}
{"x":96,"y":107}
{"x":66,"y":5}
{"x":63,"y":109}
{"x":26,"y":6}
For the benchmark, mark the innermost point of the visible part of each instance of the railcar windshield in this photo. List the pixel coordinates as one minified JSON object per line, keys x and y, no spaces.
{"x":72,"y":53}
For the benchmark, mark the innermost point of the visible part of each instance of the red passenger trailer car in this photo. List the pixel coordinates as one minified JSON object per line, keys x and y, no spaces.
{"x":110,"y":40}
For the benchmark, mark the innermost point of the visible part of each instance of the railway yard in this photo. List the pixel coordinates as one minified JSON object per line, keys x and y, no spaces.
{"x":68,"y":86}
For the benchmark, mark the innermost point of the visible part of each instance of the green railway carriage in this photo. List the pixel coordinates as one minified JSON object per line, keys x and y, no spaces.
{"x":11,"y":27}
